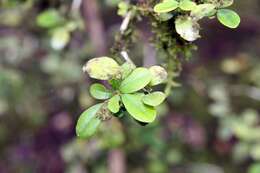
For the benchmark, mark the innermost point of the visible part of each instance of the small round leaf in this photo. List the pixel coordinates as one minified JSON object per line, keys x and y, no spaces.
{"x":187,"y":27}
{"x":187,"y":5}
{"x":49,"y":18}
{"x":166,"y":6}
{"x":137,"y":109}
{"x":159,"y":75}
{"x":60,"y":38}
{"x":99,"y":91}
{"x":88,"y":122}
{"x":113,"y":104}
{"x":137,"y":80}
{"x":103,"y":68}
{"x":228,"y":18}
{"x":203,"y":10}
{"x":154,"y":99}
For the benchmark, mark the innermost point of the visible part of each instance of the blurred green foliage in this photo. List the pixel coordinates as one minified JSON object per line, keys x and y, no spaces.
{"x":209,"y":124}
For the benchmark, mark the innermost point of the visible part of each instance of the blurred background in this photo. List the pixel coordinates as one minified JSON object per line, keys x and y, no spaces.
{"x":210,"y":124}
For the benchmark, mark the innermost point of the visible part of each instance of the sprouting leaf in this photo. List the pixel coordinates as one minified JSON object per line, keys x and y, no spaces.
{"x":228,"y":18}
{"x":113,"y":104}
{"x":49,"y":18}
{"x":154,"y":99}
{"x":137,"y":109}
{"x":159,"y":75}
{"x":187,"y":5}
{"x":103,"y":68}
{"x":88,"y":122}
{"x":202,"y":10}
{"x":137,"y":80}
{"x":166,"y":6}
{"x":187,"y":27}
{"x":60,"y":38}
{"x":99,"y":91}
{"x":126,"y":69}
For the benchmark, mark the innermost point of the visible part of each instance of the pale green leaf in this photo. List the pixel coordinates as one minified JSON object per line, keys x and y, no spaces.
{"x":228,"y":18}
{"x":159,"y":75}
{"x":187,"y":5}
{"x":99,"y":91}
{"x":187,"y":27}
{"x":154,"y":99}
{"x":203,"y":10}
{"x":137,"y":109}
{"x":113,"y":104}
{"x":60,"y":38}
{"x":103,"y":68}
{"x":166,"y":6}
{"x":137,"y":80}
{"x":88,"y":122}
{"x":126,"y":69}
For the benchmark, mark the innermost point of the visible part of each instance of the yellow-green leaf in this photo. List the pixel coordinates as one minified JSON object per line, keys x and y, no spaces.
{"x":228,"y":18}
{"x":166,"y":6}
{"x":154,"y":99}
{"x":113,"y":104}
{"x":137,"y":80}
{"x":99,"y":91}
{"x":103,"y":68}
{"x":137,"y":109}
{"x":88,"y":122}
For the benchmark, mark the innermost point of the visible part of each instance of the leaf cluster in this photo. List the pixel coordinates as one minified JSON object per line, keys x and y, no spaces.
{"x":187,"y":13}
{"x":130,"y":92}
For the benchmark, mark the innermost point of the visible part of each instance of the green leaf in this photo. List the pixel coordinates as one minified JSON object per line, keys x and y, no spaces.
{"x":202,"y":10}
{"x":228,"y":18}
{"x":159,"y":75}
{"x":166,"y":6}
{"x":99,"y":91}
{"x":137,"y":109}
{"x":102,"y":68}
{"x":137,"y":80}
{"x":187,"y":5}
{"x":113,"y":104}
{"x":187,"y":27}
{"x":154,"y":99}
{"x":88,"y":122}
{"x":126,"y":69}
{"x":49,"y":18}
